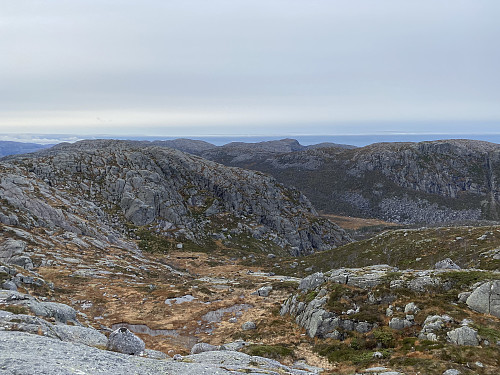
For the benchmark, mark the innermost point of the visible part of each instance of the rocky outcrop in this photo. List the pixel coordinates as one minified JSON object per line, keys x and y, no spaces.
{"x":202,"y":347}
{"x":334,"y":303}
{"x":433,"y":326}
{"x":427,"y":182}
{"x":124,"y":341}
{"x":180,"y":195}
{"x":12,"y":252}
{"x":446,"y":264}
{"x":41,"y":324}
{"x":486,"y":298}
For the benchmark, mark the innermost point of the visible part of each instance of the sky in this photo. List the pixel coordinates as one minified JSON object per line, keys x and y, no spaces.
{"x":268,"y":67}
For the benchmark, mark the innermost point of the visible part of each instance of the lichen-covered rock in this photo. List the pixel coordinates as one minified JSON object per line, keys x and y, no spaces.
{"x":463,"y":336}
{"x":82,"y":335}
{"x":124,"y":341}
{"x":432,"y":325}
{"x":263,"y":291}
{"x":9,"y":285}
{"x":25,"y":352}
{"x":154,"y":354}
{"x":312,"y":281}
{"x":203,"y":347}
{"x":486,"y":298}
{"x":12,"y":252}
{"x":59,"y":311}
{"x":411,"y":308}
{"x":399,"y":324}
{"x":446,"y":264}
{"x":247,"y":326}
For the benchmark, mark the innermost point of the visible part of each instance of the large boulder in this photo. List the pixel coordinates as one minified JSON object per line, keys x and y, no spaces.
{"x":10,"y":248}
{"x":124,"y":341}
{"x":486,"y":298}
{"x":463,"y":336}
{"x":247,"y":326}
{"x":399,"y":324}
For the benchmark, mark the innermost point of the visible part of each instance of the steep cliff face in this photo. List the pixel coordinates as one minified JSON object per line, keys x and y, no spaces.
{"x":427,"y":182}
{"x":178,"y":195}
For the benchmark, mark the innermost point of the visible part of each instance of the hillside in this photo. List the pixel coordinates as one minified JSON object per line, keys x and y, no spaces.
{"x":429,"y":182}
{"x":126,"y":187}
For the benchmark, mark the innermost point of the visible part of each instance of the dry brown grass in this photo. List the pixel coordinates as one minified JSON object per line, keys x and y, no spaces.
{"x":355,"y":223}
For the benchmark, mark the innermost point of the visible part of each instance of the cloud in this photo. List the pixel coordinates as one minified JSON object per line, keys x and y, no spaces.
{"x":199,"y":64}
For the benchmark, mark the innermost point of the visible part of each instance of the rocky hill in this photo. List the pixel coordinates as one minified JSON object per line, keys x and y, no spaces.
{"x":116,"y":185}
{"x":124,"y":257}
{"x":428,"y":182}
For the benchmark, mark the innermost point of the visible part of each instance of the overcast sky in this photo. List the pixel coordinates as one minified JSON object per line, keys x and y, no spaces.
{"x":188,"y":67}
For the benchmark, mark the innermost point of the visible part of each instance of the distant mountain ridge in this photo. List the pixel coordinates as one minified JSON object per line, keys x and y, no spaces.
{"x":205,"y":149}
{"x":428,"y":182}
{"x":12,"y":148}
{"x":434,"y":182}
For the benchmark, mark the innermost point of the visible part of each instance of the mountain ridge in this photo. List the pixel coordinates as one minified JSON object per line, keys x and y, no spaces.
{"x":181,"y":195}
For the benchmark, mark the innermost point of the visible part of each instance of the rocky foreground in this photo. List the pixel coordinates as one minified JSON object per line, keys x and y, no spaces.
{"x":25,"y":354}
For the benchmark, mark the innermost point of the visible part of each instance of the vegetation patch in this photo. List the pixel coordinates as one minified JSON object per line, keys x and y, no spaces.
{"x":15,"y":309}
{"x":464,"y":279}
{"x":269,"y":351}
{"x":358,"y":352}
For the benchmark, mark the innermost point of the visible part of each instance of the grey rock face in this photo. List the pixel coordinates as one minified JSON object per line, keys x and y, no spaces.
{"x":165,"y":188}
{"x":312,"y":281}
{"x":26,"y":323}
{"x":462,"y":297}
{"x":451,"y":372}
{"x":9,"y":285}
{"x":463,"y":336}
{"x":124,"y":341}
{"x":12,"y":252}
{"x":59,"y":311}
{"x":82,"y":335}
{"x":486,"y":298}
{"x":411,"y":308}
{"x":432,"y":325}
{"x":447,"y":264}
{"x":450,"y":170}
{"x":154,"y":354}
{"x":20,"y":353}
